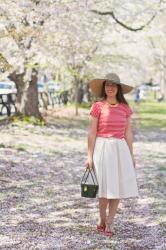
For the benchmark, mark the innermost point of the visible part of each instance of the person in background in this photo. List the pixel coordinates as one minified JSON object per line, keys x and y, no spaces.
{"x":137,"y":95}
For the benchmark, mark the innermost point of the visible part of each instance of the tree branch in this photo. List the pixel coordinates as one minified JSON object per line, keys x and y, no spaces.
{"x":111,"y":13}
{"x":4,"y":64}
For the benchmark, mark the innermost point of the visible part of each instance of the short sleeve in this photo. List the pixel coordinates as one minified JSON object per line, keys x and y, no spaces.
{"x":129,"y":111}
{"x":95,"y":110}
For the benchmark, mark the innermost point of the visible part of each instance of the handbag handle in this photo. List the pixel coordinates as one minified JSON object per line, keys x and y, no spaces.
{"x":88,"y":175}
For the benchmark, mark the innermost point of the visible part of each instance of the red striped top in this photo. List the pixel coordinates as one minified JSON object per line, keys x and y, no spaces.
{"x":112,"y":121}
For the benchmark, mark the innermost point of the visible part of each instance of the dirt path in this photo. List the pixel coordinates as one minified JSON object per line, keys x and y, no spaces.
{"x":41,"y":207}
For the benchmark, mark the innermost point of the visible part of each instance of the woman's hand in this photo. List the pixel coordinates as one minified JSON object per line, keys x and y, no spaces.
{"x":89,"y":163}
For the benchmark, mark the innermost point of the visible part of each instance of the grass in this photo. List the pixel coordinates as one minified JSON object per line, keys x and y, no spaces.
{"x":151,"y":114}
{"x":27,"y":120}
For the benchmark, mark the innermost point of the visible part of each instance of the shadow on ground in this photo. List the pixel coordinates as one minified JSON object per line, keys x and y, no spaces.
{"x":41,"y":205}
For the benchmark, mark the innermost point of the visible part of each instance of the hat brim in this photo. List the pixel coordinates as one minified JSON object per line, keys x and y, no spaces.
{"x":97,"y":84}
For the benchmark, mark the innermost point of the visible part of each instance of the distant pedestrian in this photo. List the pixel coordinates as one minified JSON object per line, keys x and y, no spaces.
{"x":142,"y":95}
{"x":160,"y":97}
{"x":137,"y":95}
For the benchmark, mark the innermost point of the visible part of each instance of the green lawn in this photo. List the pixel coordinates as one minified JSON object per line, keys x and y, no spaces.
{"x":151,"y":114}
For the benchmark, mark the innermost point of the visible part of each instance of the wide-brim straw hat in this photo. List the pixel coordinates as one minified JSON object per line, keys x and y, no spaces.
{"x":96,"y":85}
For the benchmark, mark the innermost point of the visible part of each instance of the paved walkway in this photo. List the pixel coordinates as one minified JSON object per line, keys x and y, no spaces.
{"x":41,"y":207}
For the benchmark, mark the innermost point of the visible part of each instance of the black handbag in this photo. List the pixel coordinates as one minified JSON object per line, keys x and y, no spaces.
{"x":89,"y":190}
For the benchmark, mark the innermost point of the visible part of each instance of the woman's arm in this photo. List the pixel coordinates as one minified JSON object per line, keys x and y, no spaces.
{"x":129,"y":137}
{"x":92,"y":131}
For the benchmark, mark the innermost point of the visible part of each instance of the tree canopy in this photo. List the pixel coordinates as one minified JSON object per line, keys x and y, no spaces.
{"x":81,"y":40}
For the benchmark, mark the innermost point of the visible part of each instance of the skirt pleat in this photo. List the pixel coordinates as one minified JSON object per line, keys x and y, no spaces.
{"x":114,"y":168}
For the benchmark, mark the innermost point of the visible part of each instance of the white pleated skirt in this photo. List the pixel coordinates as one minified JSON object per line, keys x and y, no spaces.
{"x":114,"y":169}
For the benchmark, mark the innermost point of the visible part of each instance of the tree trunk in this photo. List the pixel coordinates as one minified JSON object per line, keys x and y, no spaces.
{"x":27,"y":94}
{"x":76,"y":97}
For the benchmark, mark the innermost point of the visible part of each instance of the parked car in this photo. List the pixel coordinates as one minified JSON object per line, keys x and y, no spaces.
{"x":40,"y":87}
{"x":7,"y":88}
{"x":156,"y":87}
{"x":54,"y":86}
{"x":48,"y":86}
{"x":144,"y":87}
{"x":152,"y":86}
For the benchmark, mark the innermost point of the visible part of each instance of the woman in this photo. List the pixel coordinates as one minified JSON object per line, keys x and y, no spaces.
{"x":110,"y":149}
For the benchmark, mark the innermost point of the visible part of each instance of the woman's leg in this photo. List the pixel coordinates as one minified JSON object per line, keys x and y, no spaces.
{"x":102,"y":207}
{"x":113,"y":205}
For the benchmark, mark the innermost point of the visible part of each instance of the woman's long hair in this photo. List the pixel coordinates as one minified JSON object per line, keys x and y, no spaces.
{"x":120,"y":97}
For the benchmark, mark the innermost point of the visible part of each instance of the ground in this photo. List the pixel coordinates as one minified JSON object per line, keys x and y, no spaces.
{"x":41,"y":206}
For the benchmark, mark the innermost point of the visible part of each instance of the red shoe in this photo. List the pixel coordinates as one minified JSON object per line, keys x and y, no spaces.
{"x":108,"y":232}
{"x":101,"y":228}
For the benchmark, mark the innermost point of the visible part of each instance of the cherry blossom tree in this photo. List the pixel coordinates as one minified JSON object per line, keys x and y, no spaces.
{"x":83,"y":39}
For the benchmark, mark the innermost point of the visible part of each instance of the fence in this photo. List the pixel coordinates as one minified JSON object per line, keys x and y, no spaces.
{"x":8,"y":101}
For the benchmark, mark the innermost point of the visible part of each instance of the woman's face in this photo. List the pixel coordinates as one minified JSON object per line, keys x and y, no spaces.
{"x":111,"y":89}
